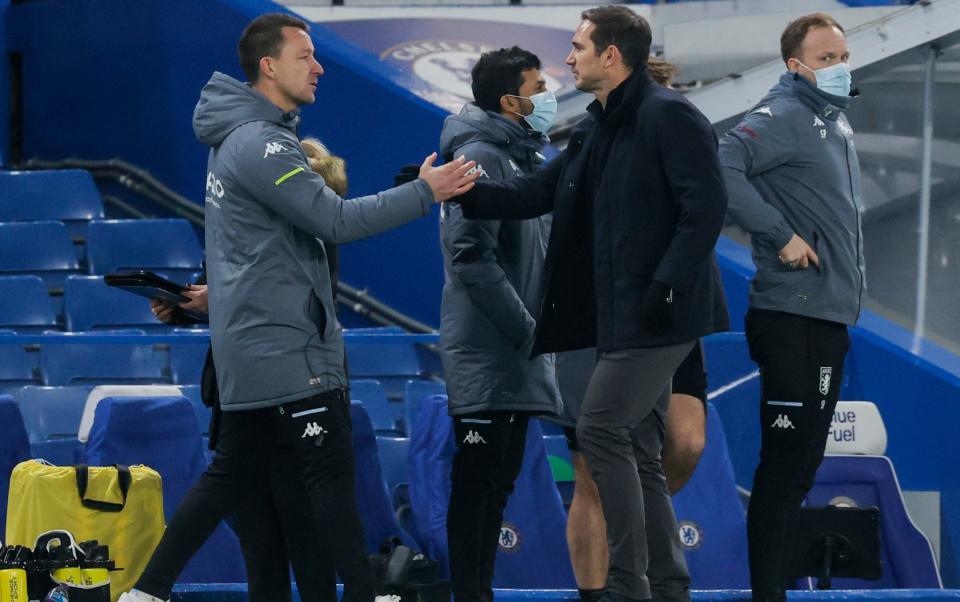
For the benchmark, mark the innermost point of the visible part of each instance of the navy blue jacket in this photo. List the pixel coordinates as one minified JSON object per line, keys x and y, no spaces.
{"x":653,"y":214}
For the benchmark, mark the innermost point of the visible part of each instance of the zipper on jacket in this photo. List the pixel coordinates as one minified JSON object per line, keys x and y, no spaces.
{"x":856,"y":209}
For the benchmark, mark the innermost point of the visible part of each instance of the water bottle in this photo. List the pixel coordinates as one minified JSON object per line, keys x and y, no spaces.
{"x":58,"y":594}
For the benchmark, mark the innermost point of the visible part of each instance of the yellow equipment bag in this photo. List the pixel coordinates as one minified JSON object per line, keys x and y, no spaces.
{"x":119,"y":506}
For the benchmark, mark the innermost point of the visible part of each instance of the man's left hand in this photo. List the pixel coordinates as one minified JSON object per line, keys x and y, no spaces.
{"x":657,"y":313}
{"x":198,"y":298}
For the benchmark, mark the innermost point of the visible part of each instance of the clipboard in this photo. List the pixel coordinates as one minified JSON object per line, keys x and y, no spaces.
{"x":145,"y":283}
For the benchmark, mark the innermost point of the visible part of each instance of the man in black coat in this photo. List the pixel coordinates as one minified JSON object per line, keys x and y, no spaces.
{"x":638,"y":202}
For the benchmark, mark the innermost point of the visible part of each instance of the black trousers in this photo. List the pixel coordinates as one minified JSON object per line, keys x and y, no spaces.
{"x":489,"y":457}
{"x":301,"y":453}
{"x":801,"y":369}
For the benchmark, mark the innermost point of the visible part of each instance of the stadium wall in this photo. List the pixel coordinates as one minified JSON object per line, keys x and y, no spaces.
{"x":4,"y":86}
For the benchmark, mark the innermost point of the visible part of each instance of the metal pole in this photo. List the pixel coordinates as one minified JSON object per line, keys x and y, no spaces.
{"x":926,"y":162}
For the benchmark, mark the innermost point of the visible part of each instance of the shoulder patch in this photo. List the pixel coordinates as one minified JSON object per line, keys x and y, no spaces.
{"x":763,"y":111}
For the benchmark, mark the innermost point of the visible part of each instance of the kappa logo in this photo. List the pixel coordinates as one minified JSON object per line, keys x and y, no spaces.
{"x":826,"y":372}
{"x":473,"y":438}
{"x":817,"y":122}
{"x":844,"y":127}
{"x":313,"y":429}
{"x":513,"y":165}
{"x":783,"y":422}
{"x":764,"y":111}
{"x":478,"y":169}
{"x":272,"y":148}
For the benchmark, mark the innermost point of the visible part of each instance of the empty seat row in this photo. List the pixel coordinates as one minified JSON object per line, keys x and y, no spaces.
{"x":69,"y":196}
{"x":100,"y":362}
{"x":167,"y":246}
{"x":88,"y":305}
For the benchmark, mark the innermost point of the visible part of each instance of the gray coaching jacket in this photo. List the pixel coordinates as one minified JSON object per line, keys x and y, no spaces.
{"x":275,"y":335}
{"x":791,"y":168}
{"x":493,"y":279}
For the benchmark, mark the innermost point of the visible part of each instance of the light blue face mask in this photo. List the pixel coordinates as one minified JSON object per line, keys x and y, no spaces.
{"x":544,"y":111}
{"x":835,"y":79}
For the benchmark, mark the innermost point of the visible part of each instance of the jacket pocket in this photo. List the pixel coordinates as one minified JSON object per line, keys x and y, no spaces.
{"x":318,"y":314}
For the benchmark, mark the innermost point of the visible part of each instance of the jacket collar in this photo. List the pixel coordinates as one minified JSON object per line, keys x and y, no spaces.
{"x":828,"y":106}
{"x":624,"y":99}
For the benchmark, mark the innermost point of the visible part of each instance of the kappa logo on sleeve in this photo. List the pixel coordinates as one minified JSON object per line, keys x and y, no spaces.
{"x":764,"y":111}
{"x":272,"y":148}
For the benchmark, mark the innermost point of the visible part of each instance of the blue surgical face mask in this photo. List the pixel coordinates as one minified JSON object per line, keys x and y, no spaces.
{"x":544,"y":111}
{"x":835,"y":79}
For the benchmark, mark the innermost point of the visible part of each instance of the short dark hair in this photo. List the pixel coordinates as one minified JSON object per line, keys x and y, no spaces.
{"x":264,"y":37}
{"x":500,"y":72}
{"x":619,"y":26}
{"x":791,"y":40}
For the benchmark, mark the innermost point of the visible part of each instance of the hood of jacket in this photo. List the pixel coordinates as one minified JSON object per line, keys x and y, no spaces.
{"x":226,"y":103}
{"x":474,"y":124}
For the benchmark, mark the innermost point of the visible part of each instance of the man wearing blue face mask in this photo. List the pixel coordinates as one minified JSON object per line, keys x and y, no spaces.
{"x":492,"y":288}
{"x":794,"y":183}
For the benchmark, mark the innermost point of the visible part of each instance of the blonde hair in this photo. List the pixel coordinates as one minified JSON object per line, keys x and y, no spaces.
{"x":661,"y":71}
{"x":331,"y":168}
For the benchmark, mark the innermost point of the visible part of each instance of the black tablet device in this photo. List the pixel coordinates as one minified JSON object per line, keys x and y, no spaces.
{"x":147,"y":284}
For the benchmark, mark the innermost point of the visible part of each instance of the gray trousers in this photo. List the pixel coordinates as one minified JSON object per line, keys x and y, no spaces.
{"x":621,"y":431}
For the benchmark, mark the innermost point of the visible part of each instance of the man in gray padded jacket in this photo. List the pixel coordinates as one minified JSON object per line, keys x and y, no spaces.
{"x":491,"y":298}
{"x":276,"y":340}
{"x":793,"y":180}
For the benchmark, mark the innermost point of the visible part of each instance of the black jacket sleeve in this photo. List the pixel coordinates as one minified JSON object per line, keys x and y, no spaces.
{"x":517,"y":198}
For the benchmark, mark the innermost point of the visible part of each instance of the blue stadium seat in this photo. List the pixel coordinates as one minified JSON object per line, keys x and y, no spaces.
{"x":187,"y":359}
{"x":40,"y":248}
{"x":373,"y":500}
{"x":25,"y":305}
{"x":161,"y":432}
{"x":166,"y":246}
{"x":393,"y":460}
{"x":52,"y":418}
{"x":727,"y":358}
{"x":385,"y":415}
{"x":415,"y":391}
{"x":19,"y":365}
{"x":14,"y":448}
{"x":104,"y":363}
{"x":192,"y":393}
{"x":711,"y":517}
{"x":905,"y":552}
{"x":89,"y":304}
{"x":69,"y":196}
{"x":391,"y":362}
{"x":533,"y":548}
{"x":561,"y":464}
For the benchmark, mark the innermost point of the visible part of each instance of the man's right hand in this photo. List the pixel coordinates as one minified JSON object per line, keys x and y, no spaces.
{"x":798,"y":254}
{"x":450,"y":179}
{"x":163,"y":310}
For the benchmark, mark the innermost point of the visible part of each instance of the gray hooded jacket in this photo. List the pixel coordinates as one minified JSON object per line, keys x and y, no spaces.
{"x":274,"y":332}
{"x":791,"y":168}
{"x":493,"y":279}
